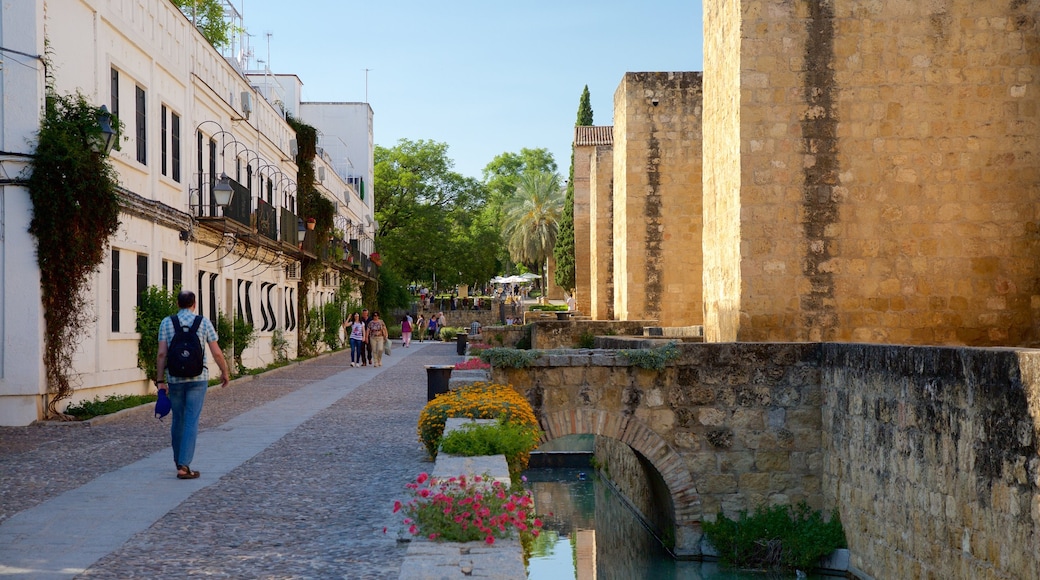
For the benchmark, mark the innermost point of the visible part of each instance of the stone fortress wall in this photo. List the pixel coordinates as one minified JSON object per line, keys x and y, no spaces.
{"x":870,"y":174}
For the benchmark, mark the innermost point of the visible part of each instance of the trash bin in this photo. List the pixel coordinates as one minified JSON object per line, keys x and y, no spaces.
{"x":437,"y":377}
{"x":563,"y":315}
{"x":460,"y":345}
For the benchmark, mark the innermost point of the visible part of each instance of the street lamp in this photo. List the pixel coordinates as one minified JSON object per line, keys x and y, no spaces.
{"x":104,"y":142}
{"x":222,"y":191}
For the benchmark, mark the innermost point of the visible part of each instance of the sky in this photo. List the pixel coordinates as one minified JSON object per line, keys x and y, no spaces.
{"x":483,"y":76}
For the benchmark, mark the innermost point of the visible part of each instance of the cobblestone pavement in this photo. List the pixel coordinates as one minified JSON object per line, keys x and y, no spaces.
{"x":311,"y":505}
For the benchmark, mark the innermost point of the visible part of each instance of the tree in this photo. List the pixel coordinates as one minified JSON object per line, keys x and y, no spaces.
{"x":208,"y":17}
{"x":531,"y":218}
{"x":501,"y":176}
{"x":563,"y":252}
{"x":430,"y":218}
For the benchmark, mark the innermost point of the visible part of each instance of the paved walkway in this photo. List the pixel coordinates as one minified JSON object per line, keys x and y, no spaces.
{"x":300,"y":468}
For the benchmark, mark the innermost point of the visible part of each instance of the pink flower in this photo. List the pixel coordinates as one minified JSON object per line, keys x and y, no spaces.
{"x":397,"y":506}
{"x":422,"y":478}
{"x":424,"y":492}
{"x":384,"y":529}
{"x":413,"y":529}
{"x":489,"y":540}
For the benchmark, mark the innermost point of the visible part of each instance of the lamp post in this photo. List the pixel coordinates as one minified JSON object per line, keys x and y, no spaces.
{"x":104,"y":142}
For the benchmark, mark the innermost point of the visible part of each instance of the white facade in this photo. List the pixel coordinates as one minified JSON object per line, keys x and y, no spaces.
{"x":188,"y":115}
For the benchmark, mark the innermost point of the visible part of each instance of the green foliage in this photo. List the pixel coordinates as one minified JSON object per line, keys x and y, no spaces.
{"x":431,"y":219}
{"x":208,"y":17}
{"x":156,"y":303}
{"x":501,"y":176}
{"x":97,"y":407}
{"x":776,"y":537}
{"x":311,"y":333}
{"x":75,"y":210}
{"x":332,"y":320}
{"x":584,"y":109}
{"x":563,"y":251}
{"x":548,"y":308}
{"x":234,"y":338}
{"x":652,"y":358}
{"x":448,"y":333}
{"x":500,"y":438}
{"x":393,"y":291}
{"x":530,"y":219}
{"x":511,"y":358}
{"x":587,"y":340}
{"x":525,"y":342}
{"x":280,"y":347}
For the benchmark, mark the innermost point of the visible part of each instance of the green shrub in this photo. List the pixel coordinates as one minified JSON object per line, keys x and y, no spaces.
{"x":280,"y":347}
{"x":332,"y":321}
{"x":549,"y":307}
{"x":509,"y":357}
{"x":524,"y":343}
{"x":156,"y":303}
{"x":234,"y":337}
{"x":652,"y":358}
{"x":89,"y":409}
{"x":500,"y":438}
{"x":587,"y":340}
{"x":448,"y":333}
{"x":776,"y":537}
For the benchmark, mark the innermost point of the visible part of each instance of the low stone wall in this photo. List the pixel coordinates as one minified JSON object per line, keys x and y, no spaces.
{"x":930,"y":454}
{"x":552,"y":333}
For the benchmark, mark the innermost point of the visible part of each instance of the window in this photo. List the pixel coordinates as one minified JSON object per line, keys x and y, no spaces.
{"x":142,"y":278}
{"x":142,"y":128}
{"x":115,"y":92}
{"x":162,"y":140}
{"x":175,"y":146}
{"x":171,"y":283}
{"x":115,"y":290}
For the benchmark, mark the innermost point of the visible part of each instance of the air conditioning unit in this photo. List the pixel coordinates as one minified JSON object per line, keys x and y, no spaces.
{"x":292,"y":271}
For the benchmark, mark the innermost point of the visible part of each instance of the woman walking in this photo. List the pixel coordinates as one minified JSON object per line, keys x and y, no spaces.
{"x":377,"y":338}
{"x":420,"y":326}
{"x":406,"y":330}
{"x":357,"y":339}
{"x":431,"y":327}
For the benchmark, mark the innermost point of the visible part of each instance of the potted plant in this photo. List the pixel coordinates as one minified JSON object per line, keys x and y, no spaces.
{"x":311,"y":223}
{"x":376,"y":259}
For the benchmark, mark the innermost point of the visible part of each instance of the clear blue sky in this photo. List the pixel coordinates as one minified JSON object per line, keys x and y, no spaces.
{"x":485,"y":77}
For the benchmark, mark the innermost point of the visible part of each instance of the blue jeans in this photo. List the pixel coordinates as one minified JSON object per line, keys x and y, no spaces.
{"x":355,"y":350}
{"x":186,"y":406}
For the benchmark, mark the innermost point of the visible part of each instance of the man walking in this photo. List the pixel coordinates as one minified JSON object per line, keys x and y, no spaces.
{"x":366,"y":349}
{"x":187,"y":393}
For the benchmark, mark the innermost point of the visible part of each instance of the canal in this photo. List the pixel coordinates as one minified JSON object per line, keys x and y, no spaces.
{"x":591,"y":533}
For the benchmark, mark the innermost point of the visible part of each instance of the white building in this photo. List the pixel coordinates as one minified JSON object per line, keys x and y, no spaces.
{"x":189,"y":115}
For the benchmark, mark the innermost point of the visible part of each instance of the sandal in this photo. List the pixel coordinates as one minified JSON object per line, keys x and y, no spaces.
{"x":185,"y":472}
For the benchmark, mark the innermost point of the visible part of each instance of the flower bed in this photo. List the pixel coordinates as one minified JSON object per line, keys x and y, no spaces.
{"x":461,"y":509}
{"x":473,"y":364}
{"x":476,"y":401}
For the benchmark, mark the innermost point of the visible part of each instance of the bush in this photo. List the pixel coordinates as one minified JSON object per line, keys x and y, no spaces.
{"x":587,"y":340}
{"x":474,"y":401}
{"x":156,"y":303}
{"x":239,"y":335}
{"x":549,"y":307}
{"x":500,"y":438}
{"x":90,"y":409}
{"x":511,"y":358}
{"x":652,"y":358}
{"x":776,"y":537}
{"x":448,"y":333}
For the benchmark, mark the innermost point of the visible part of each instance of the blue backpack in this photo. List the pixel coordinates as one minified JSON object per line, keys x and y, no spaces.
{"x":185,"y":358}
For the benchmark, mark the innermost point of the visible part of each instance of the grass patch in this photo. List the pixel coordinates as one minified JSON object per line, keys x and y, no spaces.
{"x":96,"y":407}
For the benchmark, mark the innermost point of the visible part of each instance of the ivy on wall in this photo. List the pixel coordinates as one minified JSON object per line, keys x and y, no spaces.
{"x":75,"y":210}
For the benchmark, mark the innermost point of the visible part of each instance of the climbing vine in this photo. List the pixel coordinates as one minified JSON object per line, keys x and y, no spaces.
{"x":75,"y":210}
{"x":311,"y":205}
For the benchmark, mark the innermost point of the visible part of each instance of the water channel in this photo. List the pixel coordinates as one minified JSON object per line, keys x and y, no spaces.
{"x":593,"y":534}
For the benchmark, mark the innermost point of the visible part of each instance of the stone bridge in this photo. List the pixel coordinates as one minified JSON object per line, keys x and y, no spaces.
{"x":929,"y":454}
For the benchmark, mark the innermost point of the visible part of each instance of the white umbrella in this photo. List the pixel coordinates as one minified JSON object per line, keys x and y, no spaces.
{"x":530,"y":276}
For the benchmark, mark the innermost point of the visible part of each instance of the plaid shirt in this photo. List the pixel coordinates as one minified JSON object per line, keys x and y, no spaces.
{"x":207,"y":334}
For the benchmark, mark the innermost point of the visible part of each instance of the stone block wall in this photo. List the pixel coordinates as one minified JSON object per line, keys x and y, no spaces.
{"x":550,"y":334}
{"x":657,"y":197}
{"x":887,"y":175}
{"x":931,"y":456}
{"x":601,"y":234}
{"x":582,"y":222}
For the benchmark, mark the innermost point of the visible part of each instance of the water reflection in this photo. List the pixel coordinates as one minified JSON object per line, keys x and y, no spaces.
{"x":593,"y":535}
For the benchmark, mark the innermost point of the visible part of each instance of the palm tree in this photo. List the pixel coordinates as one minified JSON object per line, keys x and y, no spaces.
{"x":531,"y":219}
